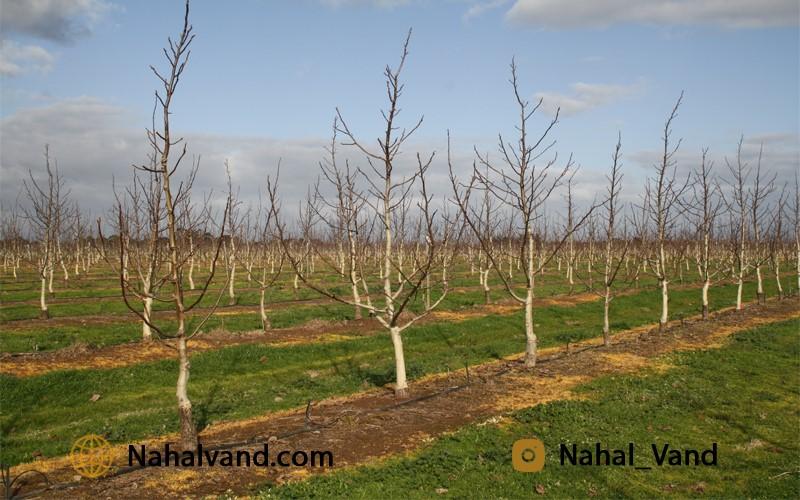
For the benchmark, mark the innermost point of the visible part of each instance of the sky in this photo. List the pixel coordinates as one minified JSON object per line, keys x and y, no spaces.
{"x":265,"y":78}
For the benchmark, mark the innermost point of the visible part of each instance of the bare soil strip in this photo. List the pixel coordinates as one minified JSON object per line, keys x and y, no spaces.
{"x":84,"y":357}
{"x":370,"y":426}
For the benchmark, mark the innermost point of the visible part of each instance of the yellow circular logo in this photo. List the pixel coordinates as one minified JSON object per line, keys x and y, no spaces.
{"x":91,"y":456}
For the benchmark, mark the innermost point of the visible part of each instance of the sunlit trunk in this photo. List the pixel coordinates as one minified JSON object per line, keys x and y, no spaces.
{"x":265,"y":323}
{"x":44,"y":313}
{"x":664,"y":304}
{"x":147,"y":334}
{"x":739,"y":293}
{"x":231,"y":295}
{"x":188,"y":430}
{"x":778,"y":277}
{"x":401,"y":384}
{"x":530,"y":336}
{"x":760,"y":284}
{"x":606,"y":328}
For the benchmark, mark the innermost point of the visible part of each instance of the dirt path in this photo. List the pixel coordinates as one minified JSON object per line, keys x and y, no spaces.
{"x":83,"y":357}
{"x":366,"y":427}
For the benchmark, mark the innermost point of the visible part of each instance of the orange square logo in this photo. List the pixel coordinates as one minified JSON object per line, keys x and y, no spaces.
{"x":527,"y":455}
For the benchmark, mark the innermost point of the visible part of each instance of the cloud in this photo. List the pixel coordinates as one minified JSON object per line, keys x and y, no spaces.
{"x":57,"y":20}
{"x":602,"y":13}
{"x":384,"y":4}
{"x":781,"y":157}
{"x":16,"y":59}
{"x":480,"y":8}
{"x":584,"y":96}
{"x":95,"y":142}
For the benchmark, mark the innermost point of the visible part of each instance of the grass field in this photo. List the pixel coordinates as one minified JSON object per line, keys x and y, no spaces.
{"x":46,"y":413}
{"x":42,"y":414}
{"x":754,"y":421}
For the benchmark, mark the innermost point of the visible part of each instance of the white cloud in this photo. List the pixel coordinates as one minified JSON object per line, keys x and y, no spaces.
{"x":601,"y":13}
{"x":584,"y":96}
{"x":781,"y":156}
{"x":480,"y":8}
{"x":16,"y":59}
{"x":56,"y":20}
{"x":385,"y":4}
{"x":95,"y":142}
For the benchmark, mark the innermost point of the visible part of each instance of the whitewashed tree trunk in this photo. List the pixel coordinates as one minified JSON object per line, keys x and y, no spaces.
{"x":188,"y":429}
{"x":606,"y":327}
{"x":401,"y":384}
{"x":760,"y":285}
{"x":664,"y":304}
{"x":265,"y":323}
{"x":530,"y":336}
{"x":147,"y":333}
{"x":44,"y":313}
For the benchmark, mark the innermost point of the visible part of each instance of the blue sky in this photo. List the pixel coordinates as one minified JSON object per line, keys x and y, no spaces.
{"x":276,"y":70}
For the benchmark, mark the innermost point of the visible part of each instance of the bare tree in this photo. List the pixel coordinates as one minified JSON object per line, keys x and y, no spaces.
{"x":776,"y":240}
{"x":703,"y":208}
{"x":180,"y":219}
{"x":49,"y":202}
{"x":343,"y":216}
{"x":796,"y":222}
{"x":738,"y":212}
{"x":521,"y":186}
{"x":387,"y":198}
{"x":611,"y":205}
{"x":140,"y":224}
{"x":12,"y":228}
{"x":762,"y":188}
{"x":261,"y":250}
{"x":662,"y":194}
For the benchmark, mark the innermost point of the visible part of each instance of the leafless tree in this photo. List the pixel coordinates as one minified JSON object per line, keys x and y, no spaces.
{"x":775,"y":246}
{"x":763,"y":187}
{"x":796,"y":222}
{"x":662,"y":194}
{"x":388,"y":199}
{"x":180,"y":219}
{"x":703,"y":208}
{"x":738,"y":213}
{"x":612,"y":263}
{"x":521,"y":186}
{"x":49,"y":203}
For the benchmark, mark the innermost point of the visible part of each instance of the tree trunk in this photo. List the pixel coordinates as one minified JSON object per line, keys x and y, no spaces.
{"x":191,"y":273}
{"x":188,"y":430}
{"x":664,"y":304}
{"x":265,"y":323}
{"x":606,"y":328}
{"x":147,"y":334}
{"x":739,"y":293}
{"x":401,"y":384}
{"x":44,"y":313}
{"x":706,"y":284}
{"x":530,"y":337}
{"x":760,"y":283}
{"x":231,"y":295}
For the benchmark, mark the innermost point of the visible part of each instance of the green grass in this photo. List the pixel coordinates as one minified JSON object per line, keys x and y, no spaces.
{"x":745,"y":397}
{"x":46,"y":413}
{"x":125,"y":328}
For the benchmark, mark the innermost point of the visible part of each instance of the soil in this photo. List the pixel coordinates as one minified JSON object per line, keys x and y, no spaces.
{"x":370,"y":426}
